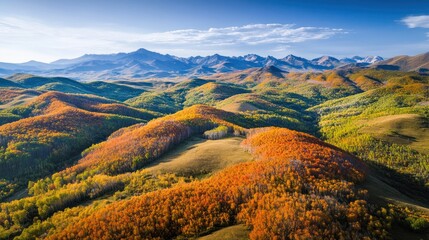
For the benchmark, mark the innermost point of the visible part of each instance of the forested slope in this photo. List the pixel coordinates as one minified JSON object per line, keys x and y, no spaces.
{"x":48,"y":132}
{"x":297,"y":187}
{"x":96,"y":165}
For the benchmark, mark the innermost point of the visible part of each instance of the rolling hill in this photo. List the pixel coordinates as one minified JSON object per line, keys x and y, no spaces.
{"x":211,"y":92}
{"x":49,"y":131}
{"x":386,"y":126}
{"x":200,"y":157}
{"x":233,"y":196}
{"x":114,"y":91}
{"x":8,"y":83}
{"x":251,"y":77}
{"x":15,"y":97}
{"x":169,"y":100}
{"x":140,"y":145}
{"x":418,"y":63}
{"x":99,"y":168}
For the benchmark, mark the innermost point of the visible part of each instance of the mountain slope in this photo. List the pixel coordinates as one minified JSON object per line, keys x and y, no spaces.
{"x":251,"y":77}
{"x":169,"y":100}
{"x":326,"y":61}
{"x":66,"y":85}
{"x":233,"y":195}
{"x":15,"y":97}
{"x":137,"y":146}
{"x":54,"y":127}
{"x":418,"y":63}
{"x":211,"y":92}
{"x":143,"y":64}
{"x":8,"y":83}
{"x":199,"y":157}
{"x":386,"y":126}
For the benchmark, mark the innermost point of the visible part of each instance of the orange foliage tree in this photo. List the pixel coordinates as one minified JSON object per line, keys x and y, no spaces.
{"x":299,"y":187}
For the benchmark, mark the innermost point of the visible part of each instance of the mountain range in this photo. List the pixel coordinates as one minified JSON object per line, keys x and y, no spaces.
{"x":143,"y":64}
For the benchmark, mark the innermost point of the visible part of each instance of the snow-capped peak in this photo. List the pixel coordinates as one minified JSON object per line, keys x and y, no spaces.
{"x":372,"y":59}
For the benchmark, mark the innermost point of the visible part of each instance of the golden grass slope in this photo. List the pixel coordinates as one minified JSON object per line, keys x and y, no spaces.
{"x":200,"y":157}
{"x":405,"y":129}
{"x":138,"y":146}
{"x":15,"y":97}
{"x":299,"y":186}
{"x":409,"y":63}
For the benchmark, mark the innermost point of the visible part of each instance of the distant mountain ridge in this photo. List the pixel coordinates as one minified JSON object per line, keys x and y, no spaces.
{"x":418,"y":63}
{"x":143,"y":64}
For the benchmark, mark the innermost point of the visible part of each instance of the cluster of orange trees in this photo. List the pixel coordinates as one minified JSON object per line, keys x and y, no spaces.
{"x":33,"y":217}
{"x":299,"y":187}
{"x":133,"y":148}
{"x":55,"y":128}
{"x":126,"y":150}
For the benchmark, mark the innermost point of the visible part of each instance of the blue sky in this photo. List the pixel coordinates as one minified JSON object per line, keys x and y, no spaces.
{"x":46,"y":30}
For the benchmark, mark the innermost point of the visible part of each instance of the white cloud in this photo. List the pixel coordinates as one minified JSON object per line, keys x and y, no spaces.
{"x":24,"y":39}
{"x":249,"y":34}
{"x":281,"y":49}
{"x":416,"y":21}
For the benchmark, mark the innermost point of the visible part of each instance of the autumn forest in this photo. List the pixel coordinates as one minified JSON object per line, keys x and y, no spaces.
{"x":256,"y":154}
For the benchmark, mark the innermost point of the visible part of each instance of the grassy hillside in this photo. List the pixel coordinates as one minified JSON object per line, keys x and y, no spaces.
{"x":296,"y":179}
{"x":169,"y":100}
{"x":263,"y":107}
{"x":52,"y":129}
{"x":271,"y":107}
{"x":269,"y":204}
{"x":403,"y":129}
{"x":387,"y":126}
{"x":236,"y":232}
{"x":419,"y":63}
{"x":200,"y":157}
{"x":105,"y":89}
{"x":135,"y":147}
{"x":10,"y":98}
{"x":126,"y":150}
{"x":32,"y":81}
{"x":114,"y":91}
{"x":211,"y":92}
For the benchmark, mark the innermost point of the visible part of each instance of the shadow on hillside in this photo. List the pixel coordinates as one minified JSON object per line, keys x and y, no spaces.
{"x":403,"y":136}
{"x":404,"y":183}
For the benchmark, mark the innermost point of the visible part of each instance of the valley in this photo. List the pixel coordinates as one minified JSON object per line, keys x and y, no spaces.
{"x":214,"y":120}
{"x":289,"y":154}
